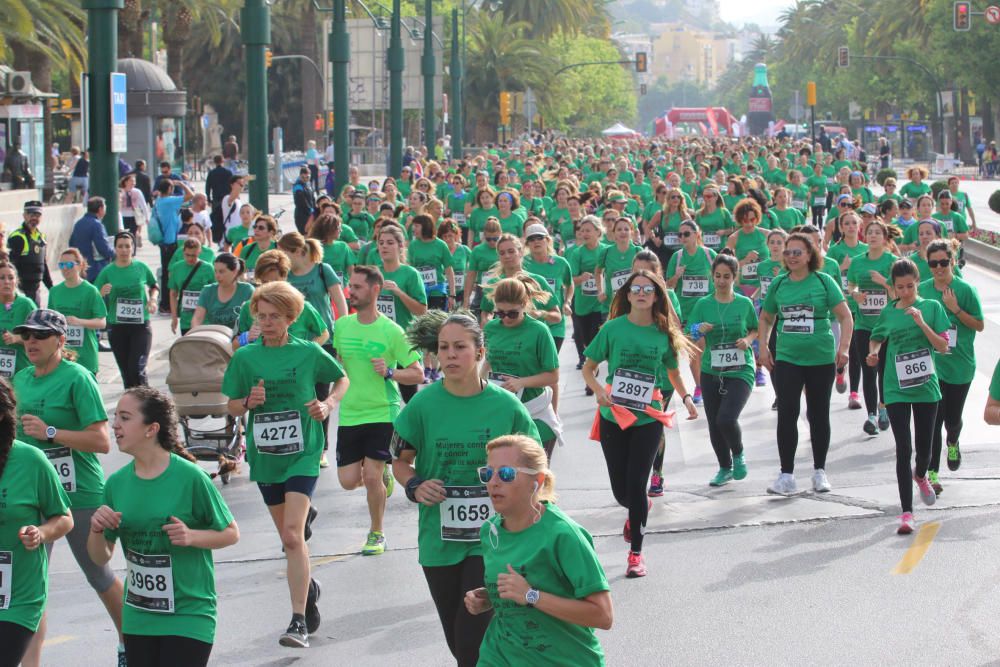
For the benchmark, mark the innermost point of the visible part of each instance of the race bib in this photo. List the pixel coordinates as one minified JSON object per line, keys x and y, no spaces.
{"x":61,"y":459}
{"x":428,"y":274}
{"x":831,"y":181}
{"x":619,"y":278}
{"x":552,"y":284}
{"x":189,"y":300}
{"x":914,"y":368}
{"x":713,"y":240}
{"x":149,"y":582}
{"x":671,"y":239}
{"x":74,"y":336}
{"x":386,"y":304}
{"x":459,"y":281}
{"x":875,"y":301}
{"x":249,"y":275}
{"x":694,"y":286}
{"x":8,"y":362}
{"x":458,"y":218}
{"x":463,"y":512}
{"x":632,"y":389}
{"x":749,"y":271}
{"x":952,"y":338}
{"x":765,"y":284}
{"x":843,"y":281}
{"x":727,"y":357}
{"x":6,"y":578}
{"x":798,"y":203}
{"x":819,"y":202}
{"x":278,"y":433}
{"x":589,"y":287}
{"x":797,"y":319}
{"x":128,"y":311}
{"x":500,"y":378}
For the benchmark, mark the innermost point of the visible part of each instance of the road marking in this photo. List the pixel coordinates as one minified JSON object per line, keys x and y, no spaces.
{"x":61,"y":639}
{"x":918,"y":549}
{"x":327,"y":559}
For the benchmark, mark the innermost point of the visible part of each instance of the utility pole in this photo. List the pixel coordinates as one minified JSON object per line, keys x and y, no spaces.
{"x":340,"y":55}
{"x":255,"y":29}
{"x":427,"y":67}
{"x":102,"y":60}
{"x":395,"y":64}
{"x":456,"y":89}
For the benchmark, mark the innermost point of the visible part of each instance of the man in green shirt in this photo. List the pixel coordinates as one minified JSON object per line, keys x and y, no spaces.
{"x":371,"y":346}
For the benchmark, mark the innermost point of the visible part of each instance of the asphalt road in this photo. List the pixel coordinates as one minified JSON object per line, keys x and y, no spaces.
{"x":736,"y":576}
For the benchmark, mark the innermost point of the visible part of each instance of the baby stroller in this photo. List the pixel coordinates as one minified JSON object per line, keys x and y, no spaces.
{"x":198,"y":362}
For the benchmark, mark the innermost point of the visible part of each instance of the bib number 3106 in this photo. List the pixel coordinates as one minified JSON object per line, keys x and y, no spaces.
{"x":464,"y":510}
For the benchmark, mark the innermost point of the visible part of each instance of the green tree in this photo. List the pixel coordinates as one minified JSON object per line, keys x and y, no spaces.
{"x":546,"y":18}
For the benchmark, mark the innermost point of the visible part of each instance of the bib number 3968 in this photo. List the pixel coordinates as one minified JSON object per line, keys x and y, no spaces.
{"x":150,"y":582}
{"x":464,"y":510}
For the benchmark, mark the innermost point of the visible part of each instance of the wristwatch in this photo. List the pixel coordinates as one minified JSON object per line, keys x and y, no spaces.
{"x":389,"y":372}
{"x":50,"y":433}
{"x":531,"y":597}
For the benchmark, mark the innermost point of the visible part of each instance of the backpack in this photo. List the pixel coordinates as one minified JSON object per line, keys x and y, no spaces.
{"x":154,"y":230}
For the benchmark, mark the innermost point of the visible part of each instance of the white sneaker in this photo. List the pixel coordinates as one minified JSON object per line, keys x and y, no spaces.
{"x":784,"y":486}
{"x":820,"y":483}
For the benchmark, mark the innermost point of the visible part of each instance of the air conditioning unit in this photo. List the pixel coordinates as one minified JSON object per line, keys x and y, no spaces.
{"x":19,"y":83}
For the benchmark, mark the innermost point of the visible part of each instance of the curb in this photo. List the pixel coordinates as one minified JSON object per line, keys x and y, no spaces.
{"x":982,"y":254}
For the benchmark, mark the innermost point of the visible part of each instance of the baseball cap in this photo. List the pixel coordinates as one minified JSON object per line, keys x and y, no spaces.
{"x":536,"y":230}
{"x":870,"y":209}
{"x":33,"y":206}
{"x":844,"y":197}
{"x":906,"y":203}
{"x":43,"y":319}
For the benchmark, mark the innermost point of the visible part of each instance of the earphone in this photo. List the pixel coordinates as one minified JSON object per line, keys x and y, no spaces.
{"x":536,"y":487}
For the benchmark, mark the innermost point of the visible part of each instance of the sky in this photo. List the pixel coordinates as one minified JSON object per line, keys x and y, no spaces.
{"x":762,"y":12}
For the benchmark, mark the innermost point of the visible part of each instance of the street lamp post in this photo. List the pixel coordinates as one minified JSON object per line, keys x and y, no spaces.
{"x":456,"y":89}
{"x":395,"y":66}
{"x":102,"y":54}
{"x":427,"y":67}
{"x":255,"y":29}
{"x":340,"y":55}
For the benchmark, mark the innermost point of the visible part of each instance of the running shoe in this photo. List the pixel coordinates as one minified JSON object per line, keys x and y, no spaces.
{"x":435,"y":375}
{"x":853,"y":401}
{"x":954,"y":456}
{"x":820,"y":483}
{"x":696,"y":397}
{"x":636,"y":566}
{"x":122,"y":660}
{"x":310,"y":517}
{"x":761,"y":379}
{"x":774,"y":405}
{"x":784,"y":486}
{"x":375,"y":544}
{"x":655,"y":486}
{"x":906,"y":524}
{"x":588,"y":391}
{"x":723,"y":477}
{"x":427,"y":375}
{"x":312,"y":610}
{"x":932,"y":477}
{"x":841,"y":381}
{"x":883,"y":418}
{"x":739,"y":466}
{"x":388,"y":480}
{"x":296,"y":636}
{"x":927,"y":494}
{"x":579,"y":365}
{"x":871,"y":426}
{"x":323,"y":461}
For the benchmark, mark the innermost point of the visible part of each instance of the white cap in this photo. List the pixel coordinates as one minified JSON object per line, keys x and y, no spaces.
{"x":535,"y":230}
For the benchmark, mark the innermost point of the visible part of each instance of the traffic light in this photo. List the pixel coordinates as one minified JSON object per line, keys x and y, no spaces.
{"x":843,"y":57}
{"x":504,"y":108}
{"x":318,"y":123}
{"x":642,"y":89}
{"x":963,"y":16}
{"x":811,"y":93}
{"x":640,"y":61}
{"x":267,"y":58}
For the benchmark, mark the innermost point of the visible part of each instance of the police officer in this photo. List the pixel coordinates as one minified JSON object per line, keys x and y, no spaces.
{"x":27,"y":252}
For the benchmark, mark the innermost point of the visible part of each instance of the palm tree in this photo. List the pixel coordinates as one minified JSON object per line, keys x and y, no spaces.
{"x":545,"y":18}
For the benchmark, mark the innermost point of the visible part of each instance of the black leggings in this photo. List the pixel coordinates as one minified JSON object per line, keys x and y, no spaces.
{"x":130,"y":344}
{"x":818,"y":216}
{"x":322,"y":393}
{"x":558,"y":341}
{"x":724,"y":400}
{"x":923,"y":421}
{"x":165,"y":651}
{"x":789,"y":381}
{"x":585,"y":327}
{"x":463,"y":631}
{"x":873,"y":377}
{"x":14,"y":639}
{"x":949,"y":415}
{"x":629,"y":455}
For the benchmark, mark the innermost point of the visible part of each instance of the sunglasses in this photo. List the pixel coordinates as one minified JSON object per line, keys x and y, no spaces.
{"x":641,"y":289}
{"x":674,"y":197}
{"x":794,"y":252}
{"x":37,"y":335}
{"x":262,"y":228}
{"x":507,"y":314}
{"x":491,"y":239}
{"x":684,"y":235}
{"x":67,"y":265}
{"x":505,"y":473}
{"x":536,"y":237}
{"x":936,"y":263}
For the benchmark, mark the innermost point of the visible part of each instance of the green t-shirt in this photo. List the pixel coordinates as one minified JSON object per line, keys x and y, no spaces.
{"x":953,"y":223}
{"x":314,"y":286}
{"x":455,"y":203}
{"x":802,"y":310}
{"x":430,"y":259}
{"x":839,"y":250}
{"x":616,"y":267}
{"x":712,"y":225}
{"x":876,"y":296}
{"x":817,"y":190}
{"x":177,"y":259}
{"x":371,"y":398}
{"x":408,"y":280}
{"x":557,"y":556}
{"x":527,"y":349}
{"x":86,"y":303}
{"x":236,"y":234}
{"x":183,"y":491}
{"x":201,"y":274}
{"x":729,"y":321}
{"x":127,"y":300}
{"x":911,"y":232}
{"x":477,"y":219}
{"x":452,"y":450}
{"x":513,"y":223}
{"x":481,"y":259}
{"x":910,"y":375}
{"x":13,"y":357}
{"x":31,"y":494}
{"x":959,"y":365}
{"x":251,"y":252}
{"x":745,"y":244}
{"x":995,"y":383}
{"x":696,"y":280}
{"x":912,"y":190}
{"x":787,"y":219}
{"x":220,"y":312}
{"x":767,"y":271}
{"x":361,"y":223}
{"x":638,"y":359}
{"x":339,"y":257}
{"x":308,"y":326}
{"x":293,"y":440}
{"x":584,"y":260}
{"x":460,"y":259}
{"x":67,"y":398}
{"x":558,"y":276}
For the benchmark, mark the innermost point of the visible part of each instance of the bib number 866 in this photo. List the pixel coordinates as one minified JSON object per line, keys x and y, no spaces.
{"x":463,"y":513}
{"x":918,"y":368}
{"x":631,"y":389}
{"x":147,"y":582}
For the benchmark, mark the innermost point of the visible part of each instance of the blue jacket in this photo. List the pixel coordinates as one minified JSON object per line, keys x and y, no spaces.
{"x":91,"y":240}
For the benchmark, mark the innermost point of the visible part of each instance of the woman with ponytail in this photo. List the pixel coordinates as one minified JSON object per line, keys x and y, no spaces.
{"x":544,"y":582}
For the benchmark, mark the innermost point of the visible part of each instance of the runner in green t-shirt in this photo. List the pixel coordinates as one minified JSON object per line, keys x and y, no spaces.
{"x":587,"y":313}
{"x":431,"y":257}
{"x":451,"y":234}
{"x":219,"y":302}
{"x":169,"y":517}
{"x":482,"y":258}
{"x":186,"y":282}
{"x":81,"y":303}
{"x":614,"y":263}
{"x":912,"y":329}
